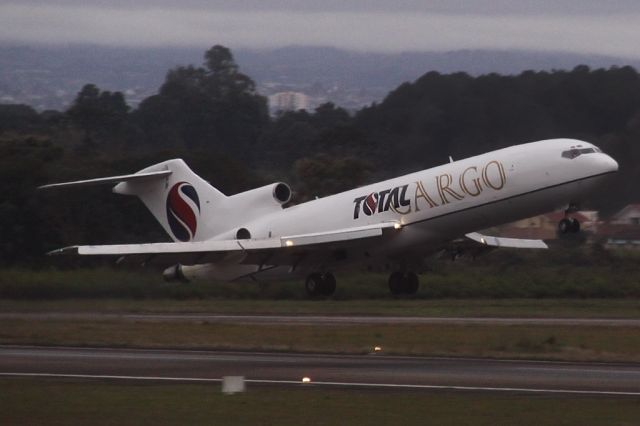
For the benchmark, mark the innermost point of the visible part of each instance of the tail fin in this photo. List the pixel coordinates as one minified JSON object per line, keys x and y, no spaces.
{"x":179,"y":200}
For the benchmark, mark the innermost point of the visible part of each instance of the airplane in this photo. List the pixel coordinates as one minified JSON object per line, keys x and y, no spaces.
{"x":391,"y":225}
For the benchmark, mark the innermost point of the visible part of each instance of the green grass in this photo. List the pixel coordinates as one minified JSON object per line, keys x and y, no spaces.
{"x":541,"y":308}
{"x":65,"y":402}
{"x":558,"y":273}
{"x":578,"y":343}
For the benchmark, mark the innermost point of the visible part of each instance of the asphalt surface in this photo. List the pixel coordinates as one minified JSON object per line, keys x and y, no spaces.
{"x":317,"y":319}
{"x":606,"y":379}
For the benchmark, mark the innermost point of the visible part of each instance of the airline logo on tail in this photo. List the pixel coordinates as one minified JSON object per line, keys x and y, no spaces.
{"x":183,"y":209}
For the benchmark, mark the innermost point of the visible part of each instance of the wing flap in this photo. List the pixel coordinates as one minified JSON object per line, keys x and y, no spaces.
{"x":506,"y":242}
{"x":338,"y":235}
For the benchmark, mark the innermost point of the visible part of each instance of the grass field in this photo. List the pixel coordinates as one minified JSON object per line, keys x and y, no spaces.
{"x":500,"y":341}
{"x":66,"y":402}
{"x":563,"y":272}
{"x":555,"y":308}
{"x":601,"y":343}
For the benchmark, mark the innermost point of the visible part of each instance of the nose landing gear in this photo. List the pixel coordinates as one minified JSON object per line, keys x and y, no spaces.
{"x":568,"y":226}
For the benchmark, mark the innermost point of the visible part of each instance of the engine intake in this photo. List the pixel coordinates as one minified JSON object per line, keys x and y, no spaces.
{"x":282,"y":193}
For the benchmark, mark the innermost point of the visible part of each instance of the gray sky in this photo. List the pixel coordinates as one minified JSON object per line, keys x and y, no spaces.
{"x":581,"y":26}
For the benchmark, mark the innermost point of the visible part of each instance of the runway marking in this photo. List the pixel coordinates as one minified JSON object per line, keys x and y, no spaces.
{"x":334,"y":384}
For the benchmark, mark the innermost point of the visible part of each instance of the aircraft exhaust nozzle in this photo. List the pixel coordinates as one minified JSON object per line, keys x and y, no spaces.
{"x":174,"y":274}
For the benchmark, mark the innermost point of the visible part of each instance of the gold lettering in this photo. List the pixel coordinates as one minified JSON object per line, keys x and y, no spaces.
{"x":443,"y":188}
{"x":399,"y":211}
{"x":476,"y":182}
{"x":422,"y":193}
{"x":501,"y":174}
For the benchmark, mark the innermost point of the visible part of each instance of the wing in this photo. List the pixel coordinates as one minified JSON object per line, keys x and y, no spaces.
{"x":285,"y":250}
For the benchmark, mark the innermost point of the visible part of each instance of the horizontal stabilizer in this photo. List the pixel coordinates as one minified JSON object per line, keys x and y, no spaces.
{"x":506,"y":242}
{"x":110,"y":180}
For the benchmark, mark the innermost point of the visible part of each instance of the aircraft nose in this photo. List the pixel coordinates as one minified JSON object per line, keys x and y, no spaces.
{"x":608,"y":164}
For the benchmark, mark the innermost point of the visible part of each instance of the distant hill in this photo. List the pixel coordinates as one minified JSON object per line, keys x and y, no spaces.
{"x":50,"y":77}
{"x":307,"y":64}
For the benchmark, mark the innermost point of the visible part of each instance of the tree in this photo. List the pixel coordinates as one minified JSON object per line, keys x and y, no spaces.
{"x":23,"y":221}
{"x":214,"y":105}
{"x":323,"y":175}
{"x":98,"y":113}
{"x":18,"y":117}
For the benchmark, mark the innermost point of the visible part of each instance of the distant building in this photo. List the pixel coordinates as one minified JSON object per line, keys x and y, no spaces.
{"x":545,"y":226}
{"x":630,"y":215}
{"x":288,"y":101}
{"x":623,"y":230}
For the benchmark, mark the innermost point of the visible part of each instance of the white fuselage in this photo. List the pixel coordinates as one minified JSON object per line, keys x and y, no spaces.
{"x":445,"y":202}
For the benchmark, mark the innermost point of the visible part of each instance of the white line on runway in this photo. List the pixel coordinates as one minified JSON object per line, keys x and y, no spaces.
{"x":336,"y":384}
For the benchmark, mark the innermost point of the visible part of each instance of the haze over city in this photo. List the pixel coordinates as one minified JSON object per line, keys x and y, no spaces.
{"x":586,"y":27}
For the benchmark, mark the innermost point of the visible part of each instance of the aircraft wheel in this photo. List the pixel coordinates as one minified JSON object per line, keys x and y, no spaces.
{"x":313,"y":284}
{"x":396,"y":283}
{"x":564,"y":226}
{"x":411,"y":283}
{"x":328,"y":284}
{"x":575,"y":226}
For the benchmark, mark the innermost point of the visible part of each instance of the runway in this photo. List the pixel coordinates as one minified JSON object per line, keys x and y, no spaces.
{"x":378,"y":371}
{"x":319,"y":319}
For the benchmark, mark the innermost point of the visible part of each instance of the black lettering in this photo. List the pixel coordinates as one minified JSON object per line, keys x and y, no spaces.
{"x":356,"y":209}
{"x":393,"y":198}
{"x":381,"y":196}
{"x":403,"y":196}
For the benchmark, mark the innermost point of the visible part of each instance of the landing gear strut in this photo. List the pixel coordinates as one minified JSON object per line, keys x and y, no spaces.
{"x":568,"y":226}
{"x":320,"y":284}
{"x":403,"y":283}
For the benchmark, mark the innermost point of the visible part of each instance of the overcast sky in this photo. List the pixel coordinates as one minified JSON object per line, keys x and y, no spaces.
{"x":580,"y":26}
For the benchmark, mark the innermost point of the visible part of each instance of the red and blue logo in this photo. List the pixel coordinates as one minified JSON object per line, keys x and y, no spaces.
{"x":183,"y":209}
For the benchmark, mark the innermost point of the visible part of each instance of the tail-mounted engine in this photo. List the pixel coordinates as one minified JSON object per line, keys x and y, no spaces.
{"x":277,"y":194}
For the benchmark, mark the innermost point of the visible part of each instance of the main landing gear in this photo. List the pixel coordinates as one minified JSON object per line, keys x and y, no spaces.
{"x":568,"y":226}
{"x":324,"y":284}
{"x":320,"y":284}
{"x":403,"y":283}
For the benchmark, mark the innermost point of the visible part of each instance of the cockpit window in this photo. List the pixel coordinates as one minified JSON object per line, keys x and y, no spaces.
{"x":576,"y":152}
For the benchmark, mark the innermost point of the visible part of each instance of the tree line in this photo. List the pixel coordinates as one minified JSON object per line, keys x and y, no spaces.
{"x":212,"y":116}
